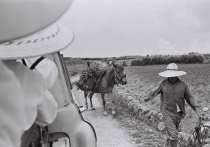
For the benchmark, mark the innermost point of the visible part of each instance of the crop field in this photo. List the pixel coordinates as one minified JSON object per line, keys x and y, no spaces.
{"x":141,"y":79}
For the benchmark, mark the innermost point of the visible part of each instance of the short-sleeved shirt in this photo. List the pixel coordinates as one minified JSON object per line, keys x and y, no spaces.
{"x":173,"y":95}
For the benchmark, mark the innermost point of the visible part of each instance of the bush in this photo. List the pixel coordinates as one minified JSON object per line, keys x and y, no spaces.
{"x":136,"y":63}
{"x":200,"y":58}
{"x":124,"y":63}
{"x":72,"y":61}
{"x":157,"y":59}
{"x":146,"y":61}
{"x":166,"y":59}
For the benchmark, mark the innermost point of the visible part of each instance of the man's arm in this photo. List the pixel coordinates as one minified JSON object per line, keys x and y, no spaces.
{"x":190,"y":98}
{"x":153,"y":93}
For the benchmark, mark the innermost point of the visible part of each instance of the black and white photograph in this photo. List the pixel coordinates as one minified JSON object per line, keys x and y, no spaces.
{"x":104,"y":73}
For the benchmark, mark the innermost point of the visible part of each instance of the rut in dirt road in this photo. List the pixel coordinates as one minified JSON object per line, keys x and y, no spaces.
{"x":108,"y":130}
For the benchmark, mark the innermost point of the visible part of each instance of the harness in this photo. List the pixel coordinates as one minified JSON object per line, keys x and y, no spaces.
{"x":117,"y":78}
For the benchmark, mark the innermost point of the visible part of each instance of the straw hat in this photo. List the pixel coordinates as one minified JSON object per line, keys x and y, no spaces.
{"x":21,"y":18}
{"x":172,"y":71}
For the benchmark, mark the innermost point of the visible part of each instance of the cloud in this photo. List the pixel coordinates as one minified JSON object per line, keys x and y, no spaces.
{"x":164,"y":47}
{"x":193,"y":15}
{"x":206,"y":47}
{"x":137,"y":27}
{"x":198,"y":46}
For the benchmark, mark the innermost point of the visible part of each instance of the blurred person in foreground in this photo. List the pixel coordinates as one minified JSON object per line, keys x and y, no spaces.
{"x":27,"y":30}
{"x":174,"y":92}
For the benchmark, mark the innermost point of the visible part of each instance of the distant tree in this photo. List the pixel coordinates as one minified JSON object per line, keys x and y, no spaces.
{"x":113,"y":60}
{"x":124,"y":63}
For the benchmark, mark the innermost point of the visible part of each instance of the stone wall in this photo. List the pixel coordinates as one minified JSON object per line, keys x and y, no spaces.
{"x":139,"y":109}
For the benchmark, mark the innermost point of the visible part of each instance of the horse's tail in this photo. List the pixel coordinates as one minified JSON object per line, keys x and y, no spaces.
{"x":90,"y":94}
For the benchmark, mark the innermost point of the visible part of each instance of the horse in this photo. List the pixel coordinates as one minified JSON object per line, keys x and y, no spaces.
{"x":112,"y":75}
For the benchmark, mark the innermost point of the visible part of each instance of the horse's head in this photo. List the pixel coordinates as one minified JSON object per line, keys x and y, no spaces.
{"x":119,"y":76}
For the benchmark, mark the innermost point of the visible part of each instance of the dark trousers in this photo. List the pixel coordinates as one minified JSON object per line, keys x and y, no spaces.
{"x":31,"y":137}
{"x":172,"y":124}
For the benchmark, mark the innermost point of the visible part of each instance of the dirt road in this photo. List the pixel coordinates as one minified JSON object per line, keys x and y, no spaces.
{"x":109,"y":131}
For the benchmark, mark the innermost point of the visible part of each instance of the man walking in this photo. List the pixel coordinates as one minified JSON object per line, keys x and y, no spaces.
{"x":173,"y":92}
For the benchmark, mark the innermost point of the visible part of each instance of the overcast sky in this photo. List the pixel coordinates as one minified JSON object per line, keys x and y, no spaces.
{"x":112,"y":28}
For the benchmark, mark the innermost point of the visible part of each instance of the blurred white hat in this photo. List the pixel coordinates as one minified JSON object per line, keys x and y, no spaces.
{"x":172,"y":71}
{"x":21,"y":18}
{"x":52,"y":39}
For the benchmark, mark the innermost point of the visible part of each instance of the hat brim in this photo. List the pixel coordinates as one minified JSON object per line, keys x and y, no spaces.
{"x":21,"y":18}
{"x":52,"y":39}
{"x":172,"y":73}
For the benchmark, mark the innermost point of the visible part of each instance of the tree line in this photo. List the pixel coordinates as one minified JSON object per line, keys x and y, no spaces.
{"x":166,"y":59}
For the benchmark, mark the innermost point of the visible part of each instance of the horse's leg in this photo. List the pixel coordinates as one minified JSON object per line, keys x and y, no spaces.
{"x":112,"y":105}
{"x":91,"y":103}
{"x":85,"y":95}
{"x":104,"y":104}
{"x":110,"y":95}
